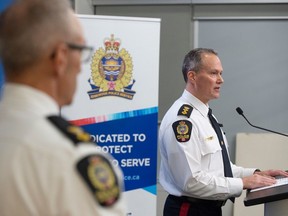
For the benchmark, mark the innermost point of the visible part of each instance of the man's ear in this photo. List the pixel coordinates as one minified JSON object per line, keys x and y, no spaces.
{"x":191,"y":75}
{"x":60,"y":59}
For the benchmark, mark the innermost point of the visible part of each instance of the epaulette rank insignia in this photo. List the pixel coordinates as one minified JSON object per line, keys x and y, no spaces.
{"x":182,"y":130}
{"x":185,"y":110}
{"x":101,"y":179}
{"x":74,"y":133}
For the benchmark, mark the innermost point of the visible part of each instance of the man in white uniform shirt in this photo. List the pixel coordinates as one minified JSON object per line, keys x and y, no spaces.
{"x":192,"y":162}
{"x":48,"y":167}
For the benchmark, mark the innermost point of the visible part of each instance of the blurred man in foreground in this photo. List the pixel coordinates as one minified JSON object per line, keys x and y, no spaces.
{"x":48,"y":166}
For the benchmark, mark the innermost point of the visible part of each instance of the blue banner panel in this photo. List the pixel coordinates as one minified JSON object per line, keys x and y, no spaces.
{"x":132,"y":143}
{"x":4,"y":4}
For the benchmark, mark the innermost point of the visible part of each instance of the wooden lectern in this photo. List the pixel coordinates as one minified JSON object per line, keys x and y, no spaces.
{"x":275,"y":200}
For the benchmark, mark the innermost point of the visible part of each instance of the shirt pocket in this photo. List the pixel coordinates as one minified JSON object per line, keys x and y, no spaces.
{"x":211,"y":152}
{"x":210,"y":145}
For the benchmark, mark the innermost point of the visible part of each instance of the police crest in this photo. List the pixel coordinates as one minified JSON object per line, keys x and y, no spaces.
{"x":182,"y":130}
{"x":111,"y":71}
{"x":101,"y":179}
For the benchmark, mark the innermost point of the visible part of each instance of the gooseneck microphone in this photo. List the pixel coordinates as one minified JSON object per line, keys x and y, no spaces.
{"x":240,"y":112}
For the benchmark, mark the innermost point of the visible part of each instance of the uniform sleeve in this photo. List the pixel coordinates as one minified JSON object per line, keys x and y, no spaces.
{"x":87,"y":181}
{"x":240,"y":172}
{"x":53,"y":186}
{"x":196,"y":166}
{"x":96,"y":185}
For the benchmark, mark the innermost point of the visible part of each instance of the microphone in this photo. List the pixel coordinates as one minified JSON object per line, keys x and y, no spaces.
{"x":240,"y":112}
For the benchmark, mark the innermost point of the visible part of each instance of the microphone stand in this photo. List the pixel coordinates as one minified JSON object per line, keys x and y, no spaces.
{"x":240,"y":112}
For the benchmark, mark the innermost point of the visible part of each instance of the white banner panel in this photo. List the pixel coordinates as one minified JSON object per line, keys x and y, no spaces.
{"x":117,"y":101}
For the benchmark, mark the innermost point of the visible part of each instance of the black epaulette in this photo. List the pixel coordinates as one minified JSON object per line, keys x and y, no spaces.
{"x":185,"y":110}
{"x":74,"y":133}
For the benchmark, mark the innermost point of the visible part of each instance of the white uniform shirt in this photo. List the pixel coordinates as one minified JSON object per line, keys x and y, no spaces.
{"x":194,"y":168}
{"x":38,"y":163}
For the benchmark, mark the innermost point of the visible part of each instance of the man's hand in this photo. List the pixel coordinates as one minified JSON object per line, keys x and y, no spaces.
{"x":256,"y":180}
{"x":273,"y":172}
{"x":262,"y":178}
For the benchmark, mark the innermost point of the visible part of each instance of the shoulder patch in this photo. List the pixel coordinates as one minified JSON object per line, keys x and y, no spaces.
{"x":101,"y":179}
{"x":185,"y":110}
{"x":182,"y":130}
{"x":74,"y":133}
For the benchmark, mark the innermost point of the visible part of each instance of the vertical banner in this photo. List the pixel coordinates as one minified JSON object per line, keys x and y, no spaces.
{"x":117,"y":101}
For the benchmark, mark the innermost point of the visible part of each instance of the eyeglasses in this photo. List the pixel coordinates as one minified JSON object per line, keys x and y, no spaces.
{"x":86,"y":51}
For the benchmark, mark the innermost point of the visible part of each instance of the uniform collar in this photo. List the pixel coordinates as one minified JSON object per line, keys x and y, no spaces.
{"x":196,"y":103}
{"x":24,"y":97}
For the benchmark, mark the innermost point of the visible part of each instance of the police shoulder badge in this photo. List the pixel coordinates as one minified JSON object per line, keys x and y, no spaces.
{"x":111,"y":71}
{"x":74,"y":133}
{"x":97,"y":172}
{"x":185,"y":110}
{"x":182,"y":130}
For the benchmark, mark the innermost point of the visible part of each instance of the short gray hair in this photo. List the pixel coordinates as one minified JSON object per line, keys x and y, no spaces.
{"x":193,"y":60}
{"x":28,"y":28}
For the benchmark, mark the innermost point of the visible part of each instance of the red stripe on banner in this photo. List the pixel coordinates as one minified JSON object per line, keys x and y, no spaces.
{"x":184,"y":209}
{"x":81,"y":122}
{"x":87,"y":121}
